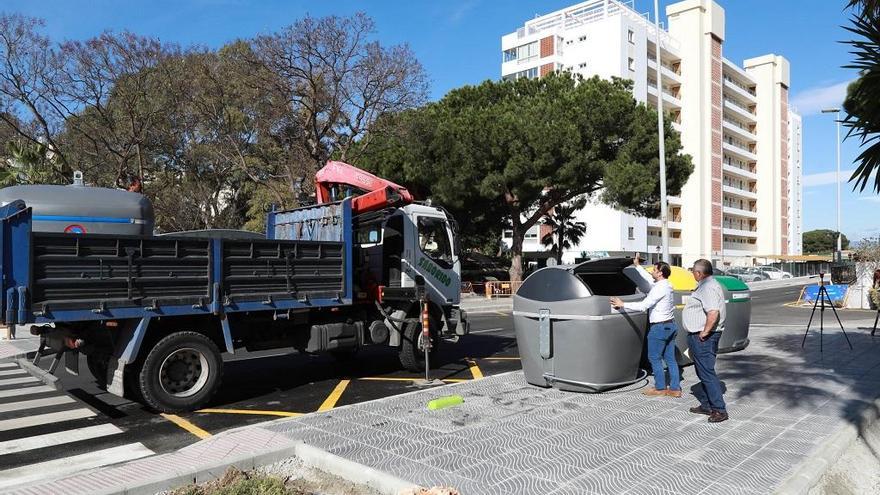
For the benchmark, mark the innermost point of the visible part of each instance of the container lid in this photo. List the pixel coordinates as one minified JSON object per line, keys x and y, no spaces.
{"x":680,"y":279}
{"x":731,"y":283}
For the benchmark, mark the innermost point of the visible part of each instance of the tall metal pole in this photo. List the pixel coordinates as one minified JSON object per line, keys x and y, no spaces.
{"x":839,"y":235}
{"x":838,"y":255}
{"x":664,"y":227}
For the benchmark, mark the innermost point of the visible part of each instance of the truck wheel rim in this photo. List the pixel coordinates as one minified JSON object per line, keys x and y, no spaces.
{"x":184,"y":372}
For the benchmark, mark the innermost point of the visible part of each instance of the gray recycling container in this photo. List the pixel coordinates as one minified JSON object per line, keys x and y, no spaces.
{"x":79,"y":209}
{"x":738,"y":305}
{"x":568,"y":335}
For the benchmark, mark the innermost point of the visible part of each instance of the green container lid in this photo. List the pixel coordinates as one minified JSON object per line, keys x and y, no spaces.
{"x":731,"y":283}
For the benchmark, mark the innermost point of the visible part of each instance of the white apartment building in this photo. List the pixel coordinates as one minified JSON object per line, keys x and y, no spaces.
{"x":795,"y":186}
{"x":734,"y":121}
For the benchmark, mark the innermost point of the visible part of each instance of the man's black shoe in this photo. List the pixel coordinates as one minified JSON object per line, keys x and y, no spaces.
{"x":700,"y":410}
{"x":718,"y":416}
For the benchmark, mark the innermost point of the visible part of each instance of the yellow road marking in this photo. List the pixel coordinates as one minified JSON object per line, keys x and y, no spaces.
{"x":475,"y":370}
{"x":502,"y":358}
{"x":256,"y":412}
{"x":397,"y":379}
{"x":186,"y":425}
{"x":502,"y":313}
{"x":330,"y":401}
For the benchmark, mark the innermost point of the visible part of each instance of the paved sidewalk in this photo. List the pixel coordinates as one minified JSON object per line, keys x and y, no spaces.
{"x":18,"y":346}
{"x":787,"y":407}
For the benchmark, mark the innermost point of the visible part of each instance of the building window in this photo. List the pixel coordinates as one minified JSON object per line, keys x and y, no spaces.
{"x":528,"y":50}
{"x":510,"y":55}
{"x":631,"y":233}
{"x":530,"y":73}
{"x":583,"y":38}
{"x":631,"y":36}
{"x":631,"y":64}
{"x":532,"y":233}
{"x":508,"y":234}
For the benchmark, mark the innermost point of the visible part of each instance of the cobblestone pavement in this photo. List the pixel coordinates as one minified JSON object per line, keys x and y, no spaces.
{"x":510,"y":437}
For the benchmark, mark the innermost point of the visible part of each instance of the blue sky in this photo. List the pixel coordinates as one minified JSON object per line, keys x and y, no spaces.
{"x":458,"y":42}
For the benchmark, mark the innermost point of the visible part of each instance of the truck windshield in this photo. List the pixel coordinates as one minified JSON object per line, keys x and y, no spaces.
{"x":434,"y":240}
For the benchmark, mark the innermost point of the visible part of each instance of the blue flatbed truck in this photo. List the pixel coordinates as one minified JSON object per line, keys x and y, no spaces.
{"x":152,"y":314}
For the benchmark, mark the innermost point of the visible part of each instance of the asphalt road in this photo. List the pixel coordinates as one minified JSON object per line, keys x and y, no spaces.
{"x":265,"y":386}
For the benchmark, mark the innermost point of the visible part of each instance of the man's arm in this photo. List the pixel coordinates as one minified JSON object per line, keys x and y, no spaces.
{"x":654,"y":296}
{"x":711,"y":320}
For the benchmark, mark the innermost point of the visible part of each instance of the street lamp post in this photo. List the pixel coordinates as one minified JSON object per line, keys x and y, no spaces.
{"x":838,"y":255}
{"x":664,"y":227}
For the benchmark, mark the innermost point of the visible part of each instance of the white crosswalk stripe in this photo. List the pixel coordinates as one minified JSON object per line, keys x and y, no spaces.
{"x":16,"y":392}
{"x":33,"y":403}
{"x":68,"y":465}
{"x":57,"y":438}
{"x":43,"y":419}
{"x":35,"y":416}
{"x":13,"y":372}
{"x":18,"y":381}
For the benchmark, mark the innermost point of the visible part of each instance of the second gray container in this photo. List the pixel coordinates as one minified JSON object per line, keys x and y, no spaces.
{"x":568,"y":335}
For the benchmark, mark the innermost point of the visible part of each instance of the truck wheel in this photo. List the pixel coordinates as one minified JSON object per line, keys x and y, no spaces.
{"x":412,"y":355}
{"x":181,"y":372}
{"x":98,"y":368}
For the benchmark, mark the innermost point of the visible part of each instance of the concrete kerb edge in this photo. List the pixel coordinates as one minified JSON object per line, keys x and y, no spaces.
{"x":311,"y":456}
{"x":352,"y":471}
{"x":808,"y":474}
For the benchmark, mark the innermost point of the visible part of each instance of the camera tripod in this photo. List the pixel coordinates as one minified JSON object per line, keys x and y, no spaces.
{"x":821,"y":297}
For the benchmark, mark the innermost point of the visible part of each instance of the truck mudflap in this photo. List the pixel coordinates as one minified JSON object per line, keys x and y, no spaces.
{"x":458,"y":319}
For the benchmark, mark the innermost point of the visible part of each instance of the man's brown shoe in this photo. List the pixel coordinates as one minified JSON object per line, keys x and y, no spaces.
{"x":700,"y":410}
{"x":718,"y":416}
{"x":673,"y":393}
{"x":653,"y":392}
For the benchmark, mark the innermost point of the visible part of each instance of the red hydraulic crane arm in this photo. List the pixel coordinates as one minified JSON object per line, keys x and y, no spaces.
{"x":337,"y":180}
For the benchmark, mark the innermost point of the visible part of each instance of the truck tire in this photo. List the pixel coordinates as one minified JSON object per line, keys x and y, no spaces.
{"x":180,"y":373}
{"x":412,"y":356}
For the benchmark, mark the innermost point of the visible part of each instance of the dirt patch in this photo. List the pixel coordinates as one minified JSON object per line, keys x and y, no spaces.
{"x":288,"y":477}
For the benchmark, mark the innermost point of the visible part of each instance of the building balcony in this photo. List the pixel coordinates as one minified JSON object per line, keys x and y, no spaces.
{"x":736,"y":211}
{"x":654,"y":241}
{"x":739,"y":111}
{"x":739,"y":249}
{"x":666,"y":71}
{"x":672,"y":224}
{"x":742,"y":193}
{"x":738,"y":131}
{"x":739,"y":91}
{"x":751,"y":234}
{"x":739,"y":152}
{"x":739,"y":171}
{"x":670,"y":100}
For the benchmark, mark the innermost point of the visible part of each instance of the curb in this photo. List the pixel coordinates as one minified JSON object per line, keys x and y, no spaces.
{"x":352,"y":471}
{"x":813,"y":469}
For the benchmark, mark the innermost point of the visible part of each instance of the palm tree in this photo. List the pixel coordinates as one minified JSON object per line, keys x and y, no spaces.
{"x":862,"y":105}
{"x":565,"y":230}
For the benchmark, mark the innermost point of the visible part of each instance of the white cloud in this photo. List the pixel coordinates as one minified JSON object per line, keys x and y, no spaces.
{"x":825,"y":178}
{"x":812,"y":100}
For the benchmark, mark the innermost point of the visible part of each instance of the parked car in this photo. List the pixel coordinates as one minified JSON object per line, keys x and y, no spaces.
{"x":774,"y":273}
{"x":747,"y":274}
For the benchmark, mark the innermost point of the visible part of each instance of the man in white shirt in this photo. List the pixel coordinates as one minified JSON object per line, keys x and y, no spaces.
{"x":661,"y":335}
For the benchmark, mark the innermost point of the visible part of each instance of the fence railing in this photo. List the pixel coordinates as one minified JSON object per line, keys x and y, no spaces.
{"x":501,"y":289}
